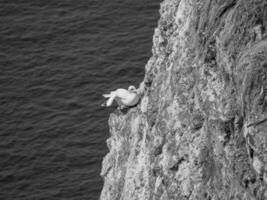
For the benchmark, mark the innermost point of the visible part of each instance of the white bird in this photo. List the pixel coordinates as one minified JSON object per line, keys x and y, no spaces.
{"x":123,"y":97}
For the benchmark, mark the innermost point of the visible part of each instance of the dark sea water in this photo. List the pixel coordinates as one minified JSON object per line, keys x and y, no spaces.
{"x":56,"y":59}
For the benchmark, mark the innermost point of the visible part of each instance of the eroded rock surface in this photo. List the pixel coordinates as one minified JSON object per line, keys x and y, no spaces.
{"x":200,"y":130}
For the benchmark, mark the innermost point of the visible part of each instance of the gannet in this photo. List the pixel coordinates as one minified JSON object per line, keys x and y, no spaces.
{"x":123,"y":97}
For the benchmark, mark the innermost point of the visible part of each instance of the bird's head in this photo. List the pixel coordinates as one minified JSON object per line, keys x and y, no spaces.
{"x":131,"y":88}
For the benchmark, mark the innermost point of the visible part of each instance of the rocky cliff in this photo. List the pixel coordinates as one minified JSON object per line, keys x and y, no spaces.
{"x":200,"y":129}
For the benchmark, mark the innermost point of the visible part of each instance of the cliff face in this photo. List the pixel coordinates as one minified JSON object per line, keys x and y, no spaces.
{"x":200,"y":129}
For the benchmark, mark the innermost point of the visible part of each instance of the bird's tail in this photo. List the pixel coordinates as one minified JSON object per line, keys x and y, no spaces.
{"x":111,"y":97}
{"x":106,"y":95}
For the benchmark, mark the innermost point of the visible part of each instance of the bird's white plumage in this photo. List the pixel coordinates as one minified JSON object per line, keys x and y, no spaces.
{"x":123,"y":97}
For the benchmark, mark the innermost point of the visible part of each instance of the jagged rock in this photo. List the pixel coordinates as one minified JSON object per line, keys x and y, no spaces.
{"x":199,"y":131}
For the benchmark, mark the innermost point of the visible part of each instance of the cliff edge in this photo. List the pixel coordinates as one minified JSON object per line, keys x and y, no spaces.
{"x":200,"y":129}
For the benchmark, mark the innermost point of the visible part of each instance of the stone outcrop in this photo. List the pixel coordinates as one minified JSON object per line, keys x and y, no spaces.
{"x":200,"y":129}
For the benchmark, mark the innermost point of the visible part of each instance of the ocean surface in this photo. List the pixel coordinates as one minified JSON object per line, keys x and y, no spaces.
{"x":56,"y":60}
